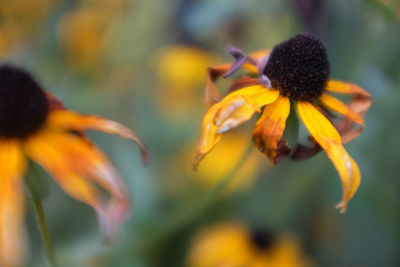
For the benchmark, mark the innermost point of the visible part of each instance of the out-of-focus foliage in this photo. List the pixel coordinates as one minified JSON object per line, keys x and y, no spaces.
{"x":142,"y":63}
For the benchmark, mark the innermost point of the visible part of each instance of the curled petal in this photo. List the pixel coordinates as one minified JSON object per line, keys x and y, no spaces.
{"x":213,"y":96}
{"x":12,"y":204}
{"x":338,"y":106}
{"x":75,"y":164}
{"x":232,"y":111}
{"x":269,"y":130}
{"x":71,"y":120}
{"x":329,"y":139}
{"x":359,"y":104}
{"x":240,"y":59}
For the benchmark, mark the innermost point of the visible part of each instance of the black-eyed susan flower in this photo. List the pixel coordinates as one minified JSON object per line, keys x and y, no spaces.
{"x":295,"y":73}
{"x":35,"y":125}
{"x":234,"y":244}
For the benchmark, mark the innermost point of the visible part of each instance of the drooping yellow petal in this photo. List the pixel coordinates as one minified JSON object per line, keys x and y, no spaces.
{"x":232,"y":111}
{"x":72,"y":161}
{"x":71,"y":120}
{"x":329,"y":139}
{"x":269,"y":130}
{"x":338,"y":106}
{"x":12,"y":204}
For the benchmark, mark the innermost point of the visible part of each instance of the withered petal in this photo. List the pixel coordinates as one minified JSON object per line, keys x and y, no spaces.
{"x":359,"y":104}
{"x":269,"y":130}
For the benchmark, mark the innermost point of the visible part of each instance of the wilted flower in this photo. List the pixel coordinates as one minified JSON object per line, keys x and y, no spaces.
{"x":296,"y":72}
{"x":236,"y":244}
{"x":35,"y":125}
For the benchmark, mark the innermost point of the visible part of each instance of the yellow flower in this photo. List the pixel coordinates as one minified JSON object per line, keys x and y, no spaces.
{"x":234,"y":244}
{"x":35,"y":125}
{"x":296,"y":72}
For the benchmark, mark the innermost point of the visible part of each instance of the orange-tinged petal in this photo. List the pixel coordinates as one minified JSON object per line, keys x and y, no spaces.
{"x":232,"y":111}
{"x":360,"y":103}
{"x":213,"y":96}
{"x":269,"y":130}
{"x":12,"y":204}
{"x":329,"y":139}
{"x":338,"y":106}
{"x":72,"y":161}
{"x":344,"y":88}
{"x":71,"y":120}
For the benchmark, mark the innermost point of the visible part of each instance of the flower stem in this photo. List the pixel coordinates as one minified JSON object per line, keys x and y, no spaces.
{"x":40,"y":217}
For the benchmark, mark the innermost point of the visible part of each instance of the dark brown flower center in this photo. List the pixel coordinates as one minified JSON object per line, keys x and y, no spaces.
{"x":23,"y":103}
{"x":299,"y":67}
{"x":262,"y":240}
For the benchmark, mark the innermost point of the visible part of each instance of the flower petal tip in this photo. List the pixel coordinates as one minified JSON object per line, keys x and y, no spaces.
{"x":342,"y":206}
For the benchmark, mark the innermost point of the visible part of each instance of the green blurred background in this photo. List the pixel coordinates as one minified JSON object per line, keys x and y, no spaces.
{"x":142,"y":63}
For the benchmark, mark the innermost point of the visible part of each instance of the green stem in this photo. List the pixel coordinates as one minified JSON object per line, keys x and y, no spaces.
{"x":41,"y":219}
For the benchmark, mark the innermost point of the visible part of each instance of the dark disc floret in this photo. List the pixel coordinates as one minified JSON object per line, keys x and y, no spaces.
{"x":262,"y":240}
{"x":23,"y":103}
{"x":299,"y":67}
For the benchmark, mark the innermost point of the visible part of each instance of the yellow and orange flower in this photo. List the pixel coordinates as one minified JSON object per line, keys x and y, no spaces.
{"x":35,"y":125}
{"x":295,"y":73}
{"x":234,"y":244}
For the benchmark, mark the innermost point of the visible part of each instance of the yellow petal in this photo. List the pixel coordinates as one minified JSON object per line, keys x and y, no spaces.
{"x":71,"y":120}
{"x":270,"y":127}
{"x":232,"y":111}
{"x":329,"y":139}
{"x":239,"y":106}
{"x":344,"y":88}
{"x":75,"y":164}
{"x":12,"y":204}
{"x":338,"y":106}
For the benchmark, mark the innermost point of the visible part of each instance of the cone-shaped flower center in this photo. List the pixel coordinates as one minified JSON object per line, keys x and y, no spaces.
{"x":299,"y":67}
{"x":262,"y":240}
{"x":23,"y":103}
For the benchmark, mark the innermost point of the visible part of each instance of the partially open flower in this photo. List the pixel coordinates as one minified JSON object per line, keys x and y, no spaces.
{"x":35,"y":125}
{"x":236,"y":244}
{"x":296,"y":72}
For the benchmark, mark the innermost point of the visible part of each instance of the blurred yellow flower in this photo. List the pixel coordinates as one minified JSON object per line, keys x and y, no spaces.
{"x":294,"y":74}
{"x":20,"y":20}
{"x":224,"y":158}
{"x":83,"y":32}
{"x":180,"y":74}
{"x":234,"y":244}
{"x":35,"y":125}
